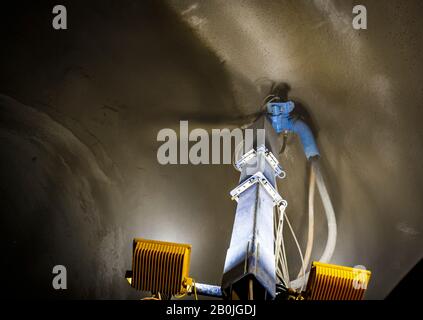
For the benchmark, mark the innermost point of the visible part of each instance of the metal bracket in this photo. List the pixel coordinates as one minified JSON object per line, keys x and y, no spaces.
{"x":245,"y":158}
{"x":274,"y":163}
{"x":258,"y":178}
{"x":270,"y":158}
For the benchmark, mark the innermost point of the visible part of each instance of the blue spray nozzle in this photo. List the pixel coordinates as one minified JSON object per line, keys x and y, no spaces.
{"x":280,"y":108}
{"x":279,"y":114}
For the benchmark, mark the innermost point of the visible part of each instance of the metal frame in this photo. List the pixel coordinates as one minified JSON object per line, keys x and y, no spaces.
{"x":250,"y":260}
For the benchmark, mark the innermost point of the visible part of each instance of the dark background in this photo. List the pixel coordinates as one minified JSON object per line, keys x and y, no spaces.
{"x":80,"y":110}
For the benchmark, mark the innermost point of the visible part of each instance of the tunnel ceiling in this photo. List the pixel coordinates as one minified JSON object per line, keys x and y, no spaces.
{"x":80,"y":110}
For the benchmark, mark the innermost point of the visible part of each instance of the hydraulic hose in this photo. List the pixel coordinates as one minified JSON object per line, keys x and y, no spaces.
{"x":310,"y":236}
{"x":330,"y":217}
{"x":330,"y":213}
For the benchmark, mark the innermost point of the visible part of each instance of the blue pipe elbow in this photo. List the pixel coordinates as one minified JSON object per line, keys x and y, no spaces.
{"x":281,"y":119}
{"x":307,"y":139}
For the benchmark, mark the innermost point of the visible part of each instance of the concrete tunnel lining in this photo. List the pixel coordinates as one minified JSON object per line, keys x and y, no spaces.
{"x":80,"y":111}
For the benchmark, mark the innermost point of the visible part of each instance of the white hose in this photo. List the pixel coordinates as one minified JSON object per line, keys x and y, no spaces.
{"x":310,"y":236}
{"x":330,"y":214}
{"x":331,"y":220}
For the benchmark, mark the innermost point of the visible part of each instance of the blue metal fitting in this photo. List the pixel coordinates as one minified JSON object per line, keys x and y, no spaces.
{"x":208,"y":290}
{"x":281,"y":119}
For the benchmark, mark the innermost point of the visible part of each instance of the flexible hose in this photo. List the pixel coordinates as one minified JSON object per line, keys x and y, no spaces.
{"x":330,"y":213}
{"x":310,"y":236}
{"x":331,"y":220}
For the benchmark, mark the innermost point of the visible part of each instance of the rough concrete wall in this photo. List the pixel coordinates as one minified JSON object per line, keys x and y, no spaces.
{"x":79,"y":172}
{"x":362,"y":89}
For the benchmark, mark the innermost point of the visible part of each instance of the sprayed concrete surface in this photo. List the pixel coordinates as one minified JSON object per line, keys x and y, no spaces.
{"x":80,"y":110}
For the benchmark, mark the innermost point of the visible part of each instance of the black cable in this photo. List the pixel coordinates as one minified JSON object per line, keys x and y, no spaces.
{"x":285,"y":138}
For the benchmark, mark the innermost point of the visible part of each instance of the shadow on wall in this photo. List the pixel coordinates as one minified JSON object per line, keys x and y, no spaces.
{"x":79,"y":173}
